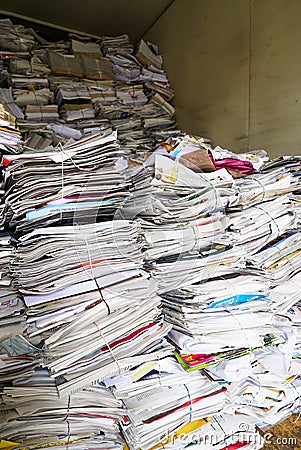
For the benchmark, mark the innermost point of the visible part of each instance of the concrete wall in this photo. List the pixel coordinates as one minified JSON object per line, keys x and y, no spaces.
{"x":236,"y":70}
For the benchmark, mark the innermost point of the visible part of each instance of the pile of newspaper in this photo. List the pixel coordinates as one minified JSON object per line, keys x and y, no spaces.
{"x":156,"y":305}
{"x":226,"y":254}
{"x":80,"y":273}
{"x":84,"y":85}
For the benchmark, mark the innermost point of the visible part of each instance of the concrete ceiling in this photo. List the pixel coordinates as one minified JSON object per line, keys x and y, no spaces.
{"x":96,"y":17}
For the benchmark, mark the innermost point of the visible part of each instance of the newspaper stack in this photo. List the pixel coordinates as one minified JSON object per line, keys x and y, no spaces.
{"x":114,"y":44}
{"x":127,"y":89}
{"x":6,"y":98}
{"x":15,"y":39}
{"x":97,"y":270}
{"x":84,"y":178}
{"x":36,"y":416}
{"x":161,"y":399}
{"x":225,"y":310}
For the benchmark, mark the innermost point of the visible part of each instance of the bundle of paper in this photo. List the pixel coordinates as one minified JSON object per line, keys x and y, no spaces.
{"x":39,"y":139}
{"x":6,"y":98}
{"x":102,"y":92}
{"x":20,"y":81}
{"x":89,"y":415}
{"x":24,"y":97}
{"x":260,"y":224}
{"x":262,"y":187}
{"x":26,"y":67}
{"x":113,"y":44}
{"x":148,"y":420}
{"x":12,"y":317}
{"x":126,"y":67}
{"x":41,"y":113}
{"x":279,"y":260}
{"x":97,"y":68}
{"x":10,"y":142}
{"x":160,"y":88}
{"x":107,"y":246}
{"x":71,"y":112}
{"x":85,"y":48}
{"x":148,"y":55}
{"x":14,"y":37}
{"x":132,"y":95}
{"x":89,"y":126}
{"x":67,"y":65}
{"x":77,"y":182}
{"x":65,"y":131}
{"x":72,"y":94}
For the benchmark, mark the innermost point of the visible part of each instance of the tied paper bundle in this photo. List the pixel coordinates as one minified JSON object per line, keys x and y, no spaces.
{"x":186,"y":397}
{"x":6,"y":98}
{"x":80,"y":301}
{"x":182,"y":216}
{"x":88,"y":417}
{"x":12,"y":318}
{"x":27,"y":67}
{"x":254,"y":227}
{"x":41,"y":112}
{"x":15,"y":38}
{"x":279,"y":261}
{"x":139,"y":106}
{"x":114,"y":44}
{"x":220,"y":320}
{"x":33,"y":97}
{"x":84,"y":179}
{"x":10,"y":136}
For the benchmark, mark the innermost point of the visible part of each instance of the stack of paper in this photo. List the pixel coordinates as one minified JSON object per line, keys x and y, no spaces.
{"x":10,"y":136}
{"x":36,"y":414}
{"x":80,"y":181}
{"x":42,"y":113}
{"x":160,"y":301}
{"x":131,"y":92}
{"x":15,"y":38}
{"x":6,"y":98}
{"x":113,"y":44}
{"x":160,"y":397}
{"x":24,"y":97}
{"x":218,"y":248}
{"x":27,"y":67}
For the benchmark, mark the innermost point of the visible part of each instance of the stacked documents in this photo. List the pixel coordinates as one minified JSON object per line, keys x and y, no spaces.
{"x":159,"y":398}
{"x":153,"y":299}
{"x":35,"y":413}
{"x":104,"y":81}
{"x":80,"y":181}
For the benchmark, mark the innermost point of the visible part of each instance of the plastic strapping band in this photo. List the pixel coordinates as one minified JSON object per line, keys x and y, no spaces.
{"x":262,"y":187}
{"x":92,"y":272}
{"x":269,"y":215}
{"x":62,"y":182}
{"x":39,"y":104}
{"x":108,"y":345}
{"x":190,"y":403}
{"x":68,"y":423}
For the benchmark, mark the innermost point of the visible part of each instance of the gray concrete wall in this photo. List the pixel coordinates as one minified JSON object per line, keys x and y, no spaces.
{"x":236,"y":70}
